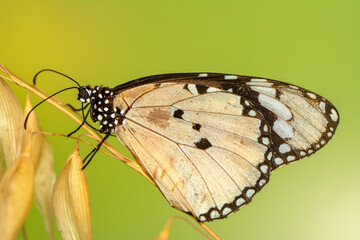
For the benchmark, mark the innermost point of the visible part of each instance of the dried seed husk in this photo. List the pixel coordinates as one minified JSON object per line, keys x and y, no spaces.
{"x":32,"y":127}
{"x":45,"y":177}
{"x":11,"y":126}
{"x":71,"y":200}
{"x":16,"y":195}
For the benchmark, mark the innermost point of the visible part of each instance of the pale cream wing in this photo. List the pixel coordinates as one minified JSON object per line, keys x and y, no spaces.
{"x":207,"y":150}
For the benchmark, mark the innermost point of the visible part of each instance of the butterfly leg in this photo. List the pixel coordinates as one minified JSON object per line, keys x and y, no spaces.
{"x":94,"y":151}
{"x":78,"y":109}
{"x":83,"y":122}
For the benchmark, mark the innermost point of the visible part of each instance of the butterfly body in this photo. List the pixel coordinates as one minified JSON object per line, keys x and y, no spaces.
{"x":210,"y":141}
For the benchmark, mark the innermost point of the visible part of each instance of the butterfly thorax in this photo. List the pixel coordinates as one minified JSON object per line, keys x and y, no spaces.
{"x":101,"y":107}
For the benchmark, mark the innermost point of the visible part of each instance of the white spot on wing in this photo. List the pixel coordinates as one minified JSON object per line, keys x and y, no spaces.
{"x":311,"y":95}
{"x":262,"y":182}
{"x":265,"y":129}
{"x":252,"y":113}
{"x":262,"y":84}
{"x":214,"y":214}
{"x":275,"y":106}
{"x":239,"y":202}
{"x":264,"y":168}
{"x":265,"y":90}
{"x":290,"y":158}
{"x":212,"y":89}
{"x":284,"y":148}
{"x":266,"y":141}
{"x":283,"y":129}
{"x":258,"y":80}
{"x":230,"y":77}
{"x":322,"y":106}
{"x":226,"y":211}
{"x":203,"y":75}
{"x":250,"y":192}
{"x":192,"y":89}
{"x":278,"y":161}
{"x":333,"y":115}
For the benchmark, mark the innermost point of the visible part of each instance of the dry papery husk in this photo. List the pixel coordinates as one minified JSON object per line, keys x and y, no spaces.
{"x":11,"y":126}
{"x":16,"y":195}
{"x":45,"y":177}
{"x":43,"y":158}
{"x":32,"y":127}
{"x":71,"y":200}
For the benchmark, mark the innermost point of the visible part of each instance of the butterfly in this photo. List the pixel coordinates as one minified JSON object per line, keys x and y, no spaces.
{"x":208,"y":140}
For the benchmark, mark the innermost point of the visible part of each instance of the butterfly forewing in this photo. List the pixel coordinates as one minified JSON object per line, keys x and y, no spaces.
{"x":301,"y":121}
{"x":209,"y":141}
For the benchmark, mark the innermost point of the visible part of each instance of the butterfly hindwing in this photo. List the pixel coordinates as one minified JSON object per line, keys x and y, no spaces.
{"x":209,"y":141}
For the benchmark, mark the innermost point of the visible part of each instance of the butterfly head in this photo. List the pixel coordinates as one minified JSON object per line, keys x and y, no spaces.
{"x":84,"y":94}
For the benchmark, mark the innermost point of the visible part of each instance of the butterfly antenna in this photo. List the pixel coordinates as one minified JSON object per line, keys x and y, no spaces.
{"x":94,"y":151}
{"x":50,"y":70}
{"x":27,"y":116}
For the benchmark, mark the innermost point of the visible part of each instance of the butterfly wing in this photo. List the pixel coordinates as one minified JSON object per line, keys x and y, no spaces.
{"x":301,"y":121}
{"x":209,"y":141}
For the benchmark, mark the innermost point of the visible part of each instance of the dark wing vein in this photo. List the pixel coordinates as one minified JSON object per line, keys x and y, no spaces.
{"x":224,"y":170}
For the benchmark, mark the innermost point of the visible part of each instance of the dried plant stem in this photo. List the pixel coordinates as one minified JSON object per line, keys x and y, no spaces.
{"x":166,"y":228}
{"x":207,"y":229}
{"x":80,"y":140}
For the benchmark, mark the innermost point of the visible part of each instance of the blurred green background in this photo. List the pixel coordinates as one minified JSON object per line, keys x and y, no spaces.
{"x":314,"y":44}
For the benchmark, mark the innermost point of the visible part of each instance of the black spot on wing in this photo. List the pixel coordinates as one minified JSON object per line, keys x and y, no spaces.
{"x":178,"y":113}
{"x":196,"y":126}
{"x":203,"y":143}
{"x":186,"y":87}
{"x":201,"y":88}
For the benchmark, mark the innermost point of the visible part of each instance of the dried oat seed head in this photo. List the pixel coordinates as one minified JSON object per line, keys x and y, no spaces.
{"x":71,"y":200}
{"x":11,"y":126}
{"x":16,"y":195}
